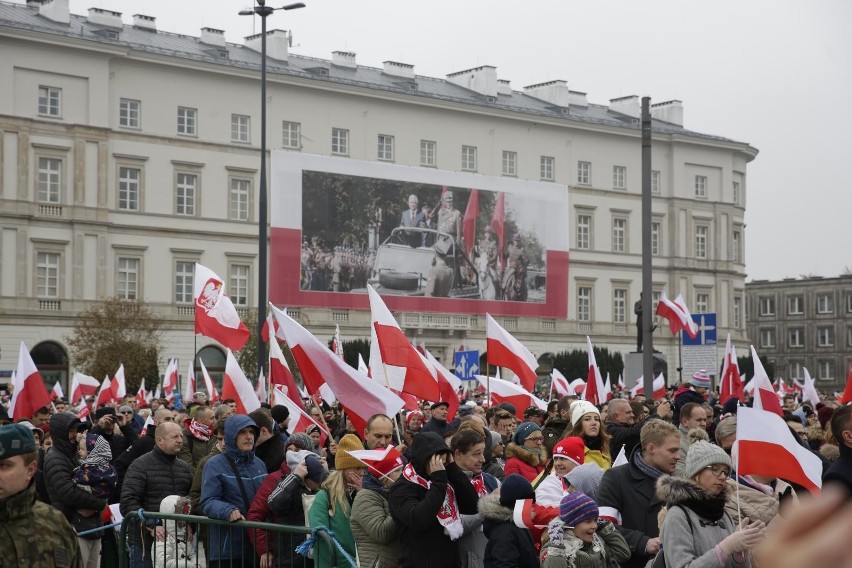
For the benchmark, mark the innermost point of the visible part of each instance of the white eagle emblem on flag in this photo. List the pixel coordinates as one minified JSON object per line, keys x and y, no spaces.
{"x":209,"y":295}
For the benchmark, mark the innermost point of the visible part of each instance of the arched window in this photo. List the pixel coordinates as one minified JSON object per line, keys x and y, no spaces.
{"x":51,"y":360}
{"x":214,"y":361}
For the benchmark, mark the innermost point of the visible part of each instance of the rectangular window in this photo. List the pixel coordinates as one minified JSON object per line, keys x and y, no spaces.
{"x":385,"y":148}
{"x":655,"y":299}
{"x":849,"y":303}
{"x":736,"y":245}
{"x":849,"y":336}
{"x":240,"y":128}
{"x":738,"y":312}
{"x":468,"y":158}
{"x":239,"y":288}
{"x":736,"y":192}
{"x":619,"y":305}
{"x":619,"y":235}
{"x":128,"y":188}
{"x":796,"y":337}
{"x":510,"y":163}
{"x":584,"y":173}
{"x":50,"y":101}
{"x":825,"y":336}
{"x":340,"y":141}
{"x":825,"y":304}
{"x":49,"y":180}
{"x":129,"y":113}
{"x":184,"y":273}
{"x":795,"y":305}
{"x":584,"y":232}
{"x":701,"y":241}
{"x":47,"y":275}
{"x":239,"y":203}
{"x":702,"y":303}
{"x":127,"y":281}
{"x":546,"y":168}
{"x":291,"y":135}
{"x":767,"y":306}
{"x":185,"y":194}
{"x":186,"y":121}
{"x":584,"y":303}
{"x":826,"y":369}
{"x":700,"y":186}
{"x":619,"y":177}
{"x":796,"y":369}
{"x":767,"y":337}
{"x":428,"y":153}
{"x":655,"y":181}
{"x":655,"y":239}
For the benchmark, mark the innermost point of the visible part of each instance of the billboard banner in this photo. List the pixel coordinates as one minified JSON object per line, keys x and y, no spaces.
{"x":426,"y":239}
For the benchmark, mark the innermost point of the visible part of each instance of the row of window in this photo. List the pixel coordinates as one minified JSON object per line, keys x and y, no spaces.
{"x":826,"y":369}
{"x":796,"y":337}
{"x":796,"y":304}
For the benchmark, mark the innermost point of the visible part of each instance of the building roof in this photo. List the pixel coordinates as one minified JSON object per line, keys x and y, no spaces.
{"x":20,"y":16}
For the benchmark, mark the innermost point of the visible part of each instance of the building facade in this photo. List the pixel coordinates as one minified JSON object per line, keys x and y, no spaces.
{"x":803,"y":323}
{"x":127,"y":154}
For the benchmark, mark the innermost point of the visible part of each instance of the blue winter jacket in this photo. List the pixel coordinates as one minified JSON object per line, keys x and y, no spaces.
{"x":221,"y":495}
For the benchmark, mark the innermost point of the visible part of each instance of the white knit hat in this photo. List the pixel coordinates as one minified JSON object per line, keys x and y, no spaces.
{"x":579,"y":408}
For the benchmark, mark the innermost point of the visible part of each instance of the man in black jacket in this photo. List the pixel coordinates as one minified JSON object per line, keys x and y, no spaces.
{"x":841,"y":470}
{"x":143,"y":444}
{"x":429,"y":515}
{"x":269,"y":447}
{"x":106,"y":420}
{"x":438,"y":422}
{"x":624,"y":428}
{"x":149,"y":479}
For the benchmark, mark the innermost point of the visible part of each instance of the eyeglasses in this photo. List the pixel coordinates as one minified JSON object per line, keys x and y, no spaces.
{"x":127,"y":412}
{"x":719,"y":471}
{"x":535,"y":439}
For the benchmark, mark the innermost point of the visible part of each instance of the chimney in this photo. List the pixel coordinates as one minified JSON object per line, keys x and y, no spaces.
{"x":482,"y":80}
{"x":106,"y":18}
{"x":504,"y":87}
{"x":277,"y":42}
{"x":577,"y":99}
{"x":212,"y":36}
{"x":669,"y":111}
{"x":56,"y":10}
{"x":554,"y":92}
{"x":628,"y":105}
{"x":145,"y":22}
{"x":344,"y":59}
{"x":398,"y":69}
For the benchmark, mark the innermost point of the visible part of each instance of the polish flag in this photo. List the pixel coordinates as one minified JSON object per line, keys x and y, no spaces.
{"x":659,"y":387}
{"x":379,"y":461}
{"x":56,"y":392}
{"x":362,"y":366}
{"x":142,"y":395}
{"x":678,"y":316}
{"x":189,"y":384}
{"x":237,"y":386}
{"x":326,"y":394}
{"x":690,"y":327}
{"x":264,"y":331}
{"x":149,"y":423}
{"x":299,"y":419}
{"x":577,"y":386}
{"x":732,"y":386}
{"x":765,"y":446}
{"x":215,"y":314}
{"x":594,"y":391}
{"x":506,"y":351}
{"x":212,"y":393}
{"x":119,"y":385}
{"x":846,"y":398}
{"x":83,"y":385}
{"x":607,"y":388}
{"x":559,"y":383}
{"x":260,"y":389}
{"x":104,"y":397}
{"x":336,"y":343}
{"x":471,"y":213}
{"x":764,"y":395}
{"x":448,"y":385}
{"x":621,"y":382}
{"x":279,"y":373}
{"x":83,"y":409}
{"x":504,"y":391}
{"x":809,"y":392}
{"x":362,"y":396}
{"x":498,"y":221}
{"x":170,"y":380}
{"x":399,"y":358}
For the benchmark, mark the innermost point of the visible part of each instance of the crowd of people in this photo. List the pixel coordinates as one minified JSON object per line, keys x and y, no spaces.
{"x":629,"y":483}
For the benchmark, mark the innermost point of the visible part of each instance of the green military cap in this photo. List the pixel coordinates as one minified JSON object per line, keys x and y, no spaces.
{"x":15,"y":440}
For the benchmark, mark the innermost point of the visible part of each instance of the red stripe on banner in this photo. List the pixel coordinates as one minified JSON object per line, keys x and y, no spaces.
{"x":766,"y":458}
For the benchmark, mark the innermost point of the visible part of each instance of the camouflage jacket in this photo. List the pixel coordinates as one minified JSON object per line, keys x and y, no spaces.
{"x":35,"y":535}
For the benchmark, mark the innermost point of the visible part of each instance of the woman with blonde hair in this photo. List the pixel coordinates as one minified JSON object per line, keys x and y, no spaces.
{"x":586,"y":424}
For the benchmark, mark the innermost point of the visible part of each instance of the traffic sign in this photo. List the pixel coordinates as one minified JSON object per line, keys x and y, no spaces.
{"x":466,"y":365}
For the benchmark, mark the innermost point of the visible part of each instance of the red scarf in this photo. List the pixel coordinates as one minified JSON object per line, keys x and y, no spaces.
{"x":478,"y":483}
{"x":199,"y":430}
{"x":448,"y":515}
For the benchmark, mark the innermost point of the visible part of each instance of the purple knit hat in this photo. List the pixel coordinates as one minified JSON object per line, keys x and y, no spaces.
{"x":577,"y":507}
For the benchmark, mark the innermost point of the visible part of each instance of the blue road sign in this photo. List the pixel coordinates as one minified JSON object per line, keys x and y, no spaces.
{"x":467,"y":365}
{"x":706,"y":330}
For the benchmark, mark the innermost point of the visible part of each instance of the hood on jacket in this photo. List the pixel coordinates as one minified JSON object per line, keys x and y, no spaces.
{"x":678,"y":490}
{"x":60,"y":424}
{"x":493,"y":513}
{"x":233,"y":425}
{"x":513,"y":450}
{"x":426,"y":445}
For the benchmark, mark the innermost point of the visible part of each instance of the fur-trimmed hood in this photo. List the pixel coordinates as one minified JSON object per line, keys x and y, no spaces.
{"x":678,"y":490}
{"x":513,"y":450}
{"x":491,"y":509}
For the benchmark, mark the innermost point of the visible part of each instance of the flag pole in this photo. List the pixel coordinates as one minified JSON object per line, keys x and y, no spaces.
{"x":488,"y":383}
{"x":737,"y":483}
{"x":396,"y":418}
{"x":680,"y":356}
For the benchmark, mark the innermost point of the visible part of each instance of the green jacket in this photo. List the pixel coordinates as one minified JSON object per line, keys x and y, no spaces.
{"x":564,"y":550}
{"x":339,"y":525}
{"x":36,"y":535}
{"x":193,"y":449}
{"x":374,"y":530}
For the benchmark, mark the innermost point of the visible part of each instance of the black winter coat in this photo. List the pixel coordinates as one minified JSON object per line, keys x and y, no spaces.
{"x":423,"y":543}
{"x":509,"y":546}
{"x":624,"y":436}
{"x":139,"y":448}
{"x":841,"y":470}
{"x":118,"y":443}
{"x":59,"y":464}
{"x":272,"y":453}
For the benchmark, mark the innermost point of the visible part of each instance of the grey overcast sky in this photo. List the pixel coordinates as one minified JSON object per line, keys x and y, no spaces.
{"x":774,"y":73}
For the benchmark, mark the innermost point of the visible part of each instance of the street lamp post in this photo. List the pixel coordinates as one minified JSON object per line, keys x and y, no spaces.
{"x":262,"y":10}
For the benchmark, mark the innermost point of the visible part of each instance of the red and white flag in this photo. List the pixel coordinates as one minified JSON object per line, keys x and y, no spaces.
{"x":448,"y":386}
{"x":809,"y":392}
{"x":280,"y":374}
{"x":236,"y":386}
{"x":731,"y":384}
{"x":56,"y":392}
{"x":577,"y":386}
{"x":104,"y":397}
{"x":119,"y":385}
{"x":678,"y":316}
{"x":506,"y":351}
{"x":659,"y":387}
{"x":299,"y":419}
{"x":380,"y":462}
{"x":142,"y":395}
{"x":260,"y":388}
{"x":765,"y":446}
{"x":405,"y":369}
{"x":189,"y":384}
{"x":336,"y":343}
{"x":560,"y":383}
{"x":361,"y":396}
{"x":471,"y":214}
{"x":764,"y":395}
{"x":362,"y":366}
{"x":82,"y":385}
{"x":170,"y":380}
{"x":846,"y":397}
{"x":620,"y":382}
{"x":504,"y":391}
{"x":690,"y":327}
{"x":607,"y":388}
{"x":149,"y":423}
{"x":212,"y":392}
{"x":264,"y":331}
{"x":215,"y":314}
{"x":83,"y":410}
{"x":594,"y":391}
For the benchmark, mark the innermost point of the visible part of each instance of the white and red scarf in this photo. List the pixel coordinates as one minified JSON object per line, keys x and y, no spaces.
{"x":448,"y":515}
{"x":478,"y":482}
{"x":199,"y":430}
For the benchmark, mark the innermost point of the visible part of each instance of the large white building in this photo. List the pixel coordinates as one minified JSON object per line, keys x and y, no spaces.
{"x":128,"y":153}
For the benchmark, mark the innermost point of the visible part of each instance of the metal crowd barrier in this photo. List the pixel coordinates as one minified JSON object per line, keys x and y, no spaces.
{"x":186,"y":541}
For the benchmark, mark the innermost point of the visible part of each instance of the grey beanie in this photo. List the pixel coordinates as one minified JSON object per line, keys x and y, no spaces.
{"x":702,"y":454}
{"x":586,"y":478}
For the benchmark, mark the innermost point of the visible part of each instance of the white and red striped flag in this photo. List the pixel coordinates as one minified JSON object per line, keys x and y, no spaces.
{"x":189,"y":384}
{"x":149,"y":423}
{"x":506,"y":351}
{"x":236,"y":386}
{"x":362,"y":366}
{"x":56,"y":392}
{"x":336,"y":343}
{"x":764,"y":395}
{"x":212,"y":393}
{"x":215,"y":314}
{"x":731,"y":384}
{"x":280,"y":374}
{"x":170,"y":380}
{"x":504,"y":391}
{"x":690,"y":327}
{"x":809,"y":392}
{"x":659,"y":386}
{"x":594,"y":391}
{"x":577,"y":386}
{"x":83,"y":409}
{"x":264,"y":331}
{"x":607,"y":388}
{"x":142,"y":395}
{"x":118,"y":384}
{"x":448,"y":386}
{"x":82,"y":385}
{"x":104,"y":397}
{"x":560,"y":383}
{"x":260,"y":388}
{"x":299,"y":419}
{"x":678,"y":316}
